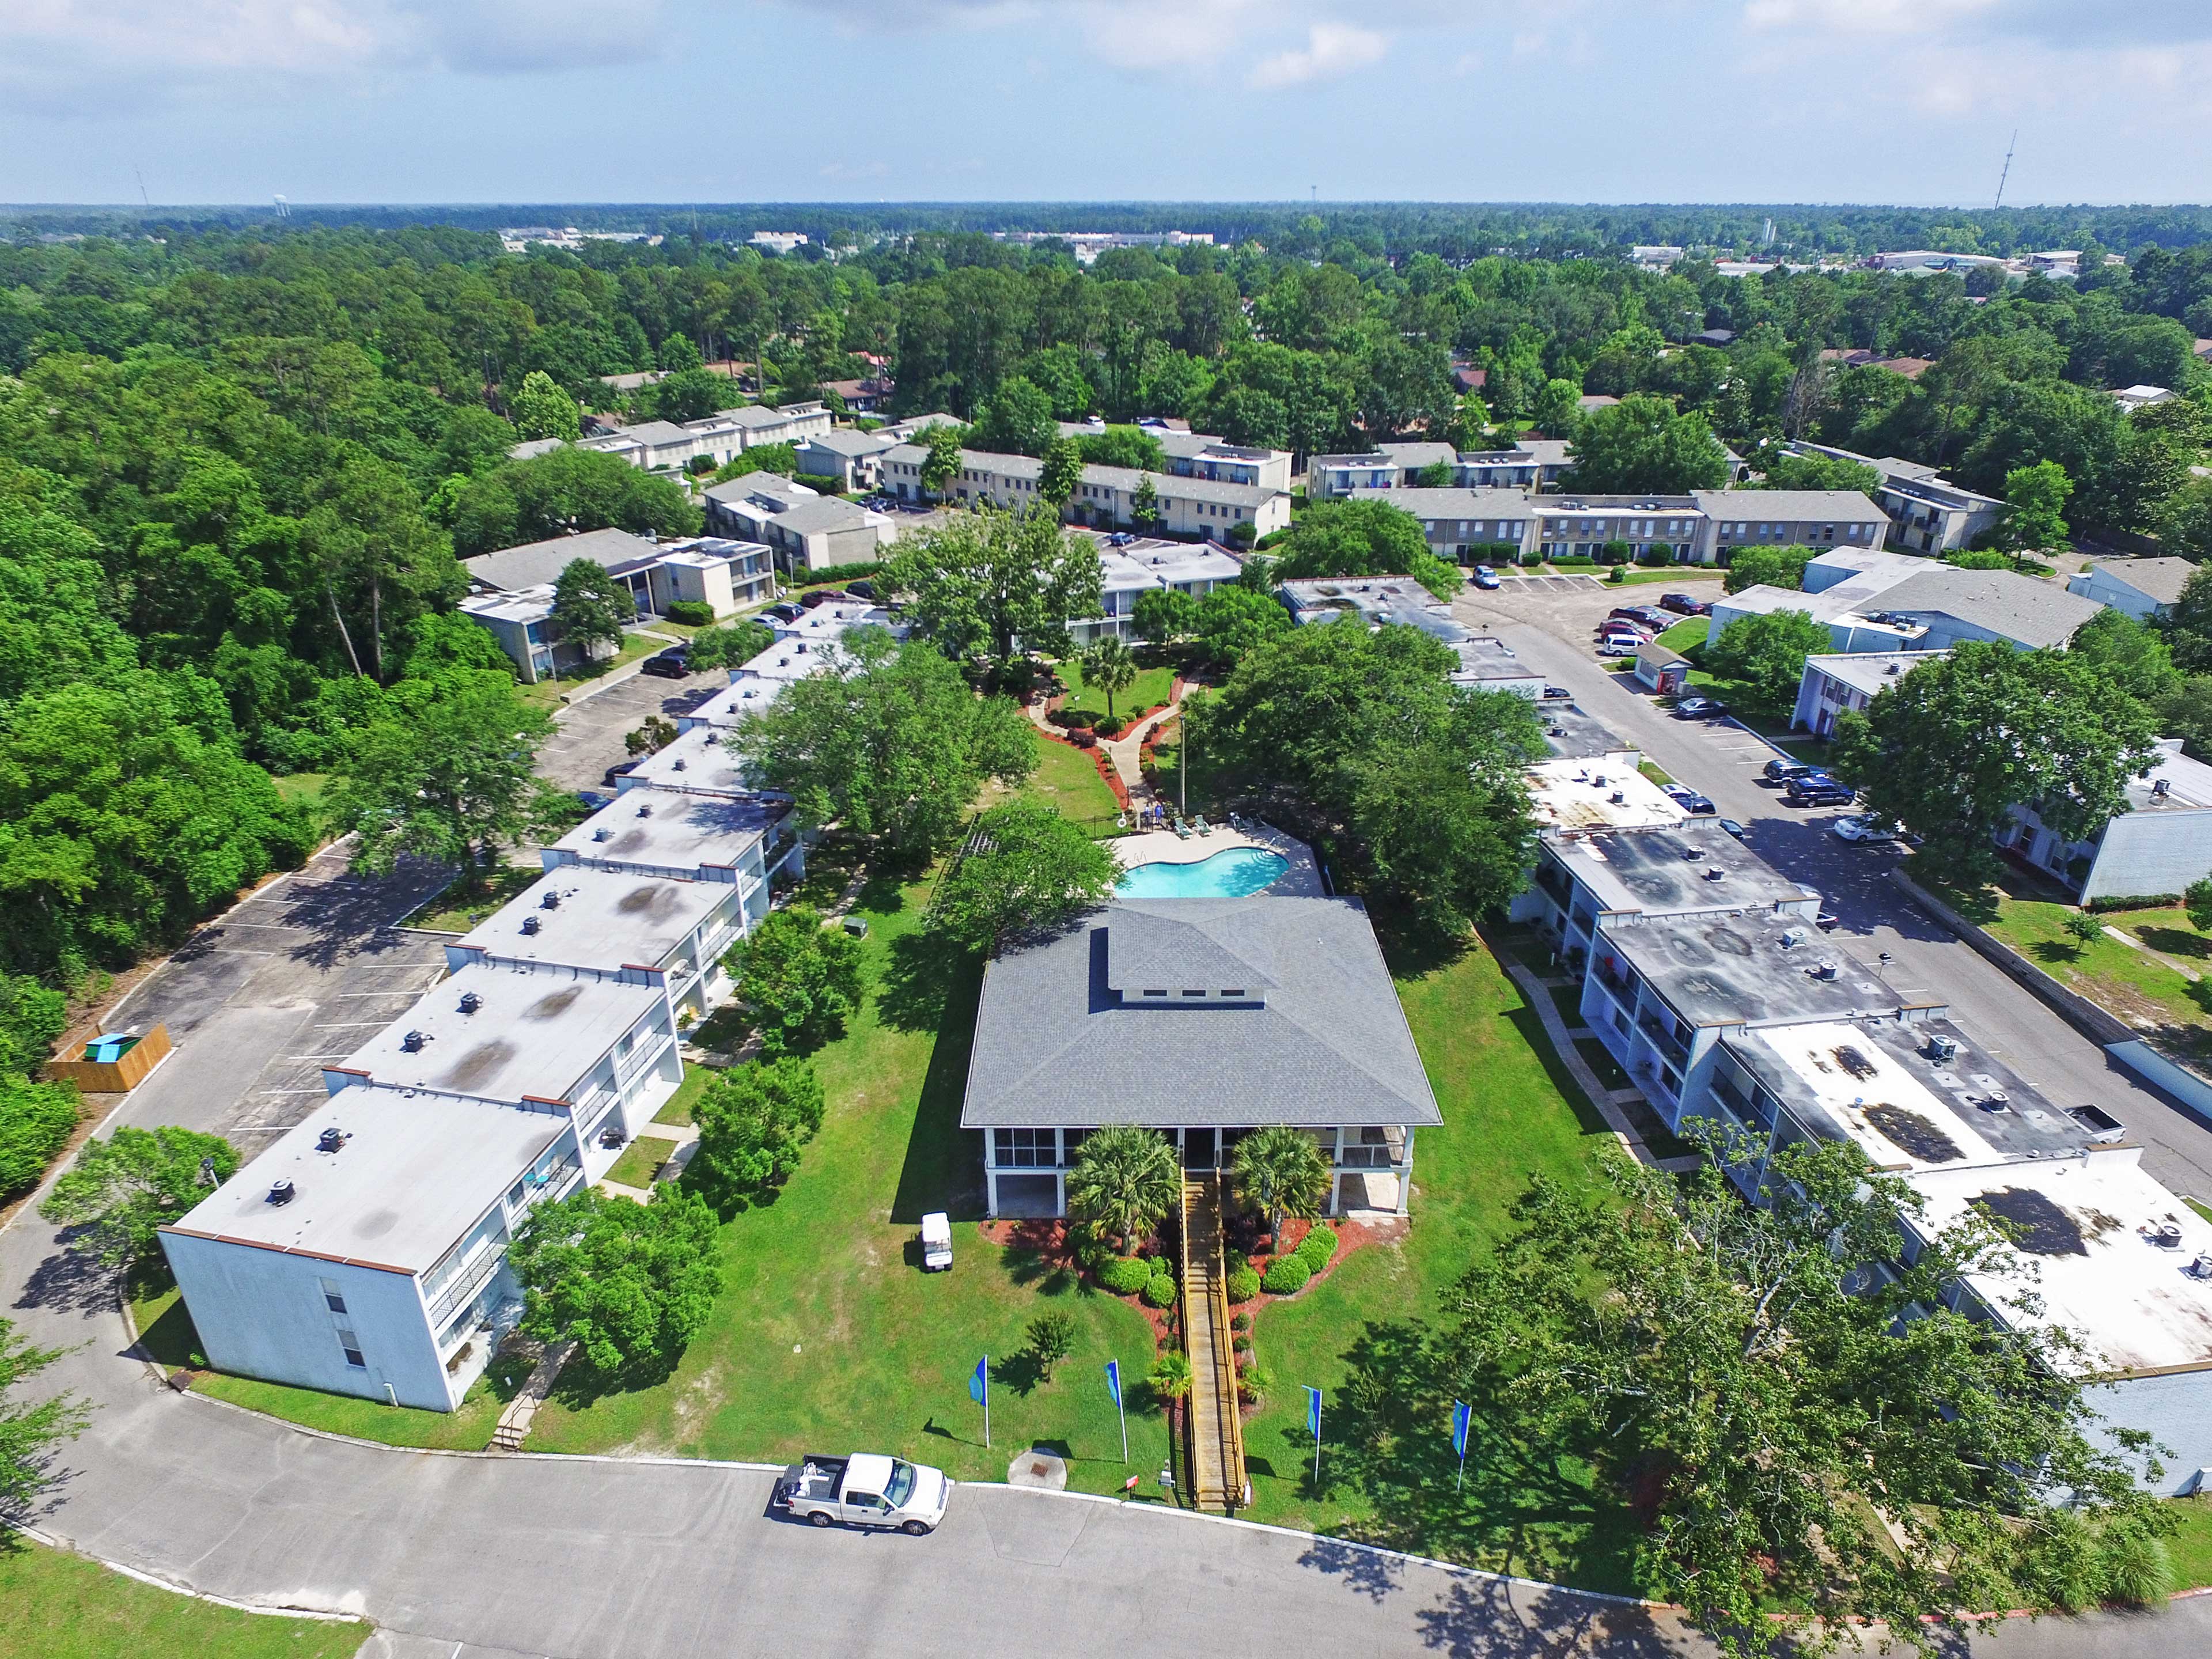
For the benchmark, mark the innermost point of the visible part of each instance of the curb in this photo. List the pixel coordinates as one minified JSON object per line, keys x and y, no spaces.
{"x":271,"y":1609}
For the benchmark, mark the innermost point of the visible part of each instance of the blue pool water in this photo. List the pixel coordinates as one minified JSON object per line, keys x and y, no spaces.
{"x":1234,"y":872}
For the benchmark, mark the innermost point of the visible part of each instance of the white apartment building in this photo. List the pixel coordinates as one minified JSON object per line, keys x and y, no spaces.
{"x":660,"y":445}
{"x":1928,"y":512}
{"x":1453,"y":521}
{"x":1106,"y":498}
{"x":2145,"y":588}
{"x":1486,"y":662}
{"x":1129,"y":566}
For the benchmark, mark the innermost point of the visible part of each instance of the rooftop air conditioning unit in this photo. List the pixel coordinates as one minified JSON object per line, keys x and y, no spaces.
{"x":330,"y":1140}
{"x":470,"y":1000}
{"x":1894,"y":668}
{"x":1794,"y":937}
{"x":646,"y":810}
{"x":678,"y":766}
{"x":1942,"y":1050}
{"x":2162,"y":788}
{"x":282,"y":1192}
{"x":1619,"y":798}
{"x":1716,"y":873}
{"x":530,"y":925}
{"x":551,"y":901}
{"x":602,"y":833}
{"x":413,"y":1041}
{"x":1827,"y":971}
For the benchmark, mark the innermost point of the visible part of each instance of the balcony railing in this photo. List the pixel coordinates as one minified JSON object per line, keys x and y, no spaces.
{"x":1661,"y":1037}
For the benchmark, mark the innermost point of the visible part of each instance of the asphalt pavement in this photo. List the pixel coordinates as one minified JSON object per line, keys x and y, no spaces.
{"x":587,"y":735}
{"x":1551,"y":629}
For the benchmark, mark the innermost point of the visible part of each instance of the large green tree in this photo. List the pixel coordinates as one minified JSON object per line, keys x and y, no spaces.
{"x":630,"y":1283}
{"x":1767,"y":567}
{"x":753,"y":1121}
{"x":592,"y":606}
{"x":1643,"y":446}
{"x":1028,"y":870}
{"x":1125,"y":1180}
{"x":991,"y":583}
{"x":800,"y":979}
{"x":1765,"y":656}
{"x":1164,"y":614}
{"x":543,"y":410}
{"x":1017,"y":421}
{"x":122,"y":1190}
{"x":1784,"y":471}
{"x":1359,"y":733}
{"x":2035,"y":504}
{"x":1951,"y":748}
{"x":1231,"y":621}
{"x":1363,"y":538}
{"x":36,"y":1121}
{"x":442,"y":771}
{"x":895,"y":745}
{"x":1824,"y":1445}
{"x":1108,"y":668}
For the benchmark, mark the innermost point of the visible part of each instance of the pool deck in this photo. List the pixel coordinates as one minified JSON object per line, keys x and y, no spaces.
{"x":1301,"y":880}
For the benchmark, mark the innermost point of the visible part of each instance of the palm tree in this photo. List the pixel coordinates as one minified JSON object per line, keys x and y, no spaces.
{"x":1108,"y":665}
{"x":1280,"y":1171}
{"x":1124,"y":1178}
{"x":1170,"y":1375}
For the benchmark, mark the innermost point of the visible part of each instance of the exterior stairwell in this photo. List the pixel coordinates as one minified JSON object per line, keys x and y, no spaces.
{"x":1215,"y":1437}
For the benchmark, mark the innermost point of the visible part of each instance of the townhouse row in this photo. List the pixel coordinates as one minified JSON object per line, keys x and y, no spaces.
{"x":1109,"y":497}
{"x":366,"y":1252}
{"x":1705,"y":527}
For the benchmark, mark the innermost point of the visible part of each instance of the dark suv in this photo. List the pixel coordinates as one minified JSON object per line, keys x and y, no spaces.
{"x":1819,"y":789}
{"x":1781,"y":771}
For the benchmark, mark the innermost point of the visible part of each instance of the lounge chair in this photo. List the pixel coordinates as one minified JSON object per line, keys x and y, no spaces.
{"x":1202,"y":826}
{"x":1182,"y":829}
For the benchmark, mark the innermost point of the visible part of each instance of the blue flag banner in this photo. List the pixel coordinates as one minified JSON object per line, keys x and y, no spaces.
{"x":975,"y":1382}
{"x":1461,"y":1416}
{"x":1114,"y":1380}
{"x":1313,"y":1413}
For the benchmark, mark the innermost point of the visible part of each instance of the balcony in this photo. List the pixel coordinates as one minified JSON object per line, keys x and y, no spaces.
{"x":1661,"y":1035}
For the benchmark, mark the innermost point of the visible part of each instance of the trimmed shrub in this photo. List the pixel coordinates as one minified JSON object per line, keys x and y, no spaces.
{"x":1076,"y":719}
{"x":859,"y":570}
{"x":1242,"y":1343}
{"x":1083,"y":739}
{"x":2140,"y":901}
{"x":2138,"y":1568}
{"x":820,"y":482}
{"x":1108,"y":726}
{"x":1318,"y":1246}
{"x":1240,"y":1322}
{"x":1286,"y":1275}
{"x":1124,"y":1275}
{"x":1241,"y":1285}
{"x":695,"y":613}
{"x":1159,"y":1291}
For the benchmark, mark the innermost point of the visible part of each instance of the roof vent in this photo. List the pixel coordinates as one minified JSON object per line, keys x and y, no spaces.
{"x":646,"y":810}
{"x":530,"y":924}
{"x":413,"y":1041}
{"x":470,"y":1000}
{"x":332,"y":1140}
{"x":1714,"y":873}
{"x":282,"y":1192}
{"x":1827,"y":971}
{"x":679,"y":764}
{"x":602,"y":833}
{"x":1619,"y":800}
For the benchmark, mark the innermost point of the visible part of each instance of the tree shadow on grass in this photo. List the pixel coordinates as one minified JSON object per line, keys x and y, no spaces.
{"x":943,"y":1169}
{"x":1529,"y":1026}
{"x":921,"y":975}
{"x":2175,"y":941}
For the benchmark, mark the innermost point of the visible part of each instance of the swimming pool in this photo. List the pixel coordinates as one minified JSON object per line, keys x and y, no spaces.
{"x":1233,"y":873}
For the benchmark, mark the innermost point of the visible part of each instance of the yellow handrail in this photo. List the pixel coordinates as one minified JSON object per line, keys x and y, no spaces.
{"x":1233,"y":1468}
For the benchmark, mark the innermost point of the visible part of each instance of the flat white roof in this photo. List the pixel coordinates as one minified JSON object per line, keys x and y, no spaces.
{"x":414,"y":1176}
{"x":679,"y":832}
{"x":1861,"y":1087}
{"x":1870,"y":671}
{"x":1579,"y":794}
{"x":2085,"y":1226}
{"x":532,"y":1036}
{"x":605,"y":919}
{"x":698,"y":763}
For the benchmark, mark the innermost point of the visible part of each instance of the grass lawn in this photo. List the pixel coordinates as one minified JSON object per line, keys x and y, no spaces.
{"x":828,"y":1337}
{"x":1656,"y":772}
{"x":1507,"y":1116}
{"x":303,"y":787}
{"x":1568,"y":1000}
{"x":1068,"y":780}
{"x":1675,"y":573}
{"x":60,"y":1605}
{"x":1151,"y":686}
{"x":548,"y":693}
{"x":639,"y":1160}
{"x":2172,"y":1012}
{"x":2202,"y":1209}
{"x":165,"y":1328}
{"x":679,"y":1108}
{"x":2191,"y":1546}
{"x":1687,"y":633}
{"x":455,"y":911}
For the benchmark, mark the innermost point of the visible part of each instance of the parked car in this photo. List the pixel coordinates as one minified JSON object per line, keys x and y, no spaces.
{"x":785,"y":611}
{"x":862,"y":590}
{"x":620,"y":770}
{"x":2102,"y":1125}
{"x":1614,"y":644}
{"x":1730,"y":827}
{"x":1483,"y":576}
{"x":1560,"y":692}
{"x":1868,"y":826}
{"x":1819,"y":789}
{"x":673,"y":664}
{"x":864,"y":1490}
{"x":594,"y":799}
{"x":1700,"y":708}
{"x":815,"y":596}
{"x":1642,"y":614}
{"x":1686,"y":604}
{"x":1688,"y":800}
{"x":1826,"y":921}
{"x":1781,"y":771}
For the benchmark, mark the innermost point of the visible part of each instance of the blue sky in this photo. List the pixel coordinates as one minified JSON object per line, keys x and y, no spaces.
{"x":672,"y":101}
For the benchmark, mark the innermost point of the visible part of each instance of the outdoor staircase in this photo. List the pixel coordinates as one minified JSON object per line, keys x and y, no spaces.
{"x":1216,"y":1436}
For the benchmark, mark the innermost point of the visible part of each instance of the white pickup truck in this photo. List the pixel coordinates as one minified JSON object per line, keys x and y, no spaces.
{"x":865,"y":1490}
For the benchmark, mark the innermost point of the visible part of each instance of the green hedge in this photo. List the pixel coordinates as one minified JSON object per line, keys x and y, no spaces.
{"x":1124,"y":1275}
{"x":2138,"y":901}
{"x":1286,"y":1275}
{"x":697,"y":613}
{"x":1159,"y":1291}
{"x":859,"y":570}
{"x":1317,"y":1247}
{"x":1241,"y":1285}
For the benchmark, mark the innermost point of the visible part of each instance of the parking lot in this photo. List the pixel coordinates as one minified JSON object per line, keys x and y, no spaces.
{"x":260,"y":1000}
{"x":588,"y":736}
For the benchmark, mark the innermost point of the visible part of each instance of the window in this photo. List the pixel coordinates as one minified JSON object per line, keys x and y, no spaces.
{"x":1194,"y":994}
{"x":1161,"y":992}
{"x":332,"y":1298}
{"x":1234,"y":991}
{"x":1024,"y":1149}
{"x":350,"y":1346}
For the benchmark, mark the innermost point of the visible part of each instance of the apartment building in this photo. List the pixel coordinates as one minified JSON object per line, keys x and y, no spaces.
{"x":1928,"y":512}
{"x":512,"y":589}
{"x":805,"y":645}
{"x":808,"y":531}
{"x":1106,"y":498}
{"x":1486,"y":662}
{"x":1129,"y":566}
{"x":365,"y":1253}
{"x":1455,"y":521}
{"x":1833,"y":686}
{"x":660,"y":445}
{"x":848,"y":455}
{"x":2145,"y":588}
{"x":2160,"y":845}
{"x":1386,"y":466}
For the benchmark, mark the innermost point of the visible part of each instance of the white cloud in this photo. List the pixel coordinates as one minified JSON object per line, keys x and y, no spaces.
{"x":1331,"y":50}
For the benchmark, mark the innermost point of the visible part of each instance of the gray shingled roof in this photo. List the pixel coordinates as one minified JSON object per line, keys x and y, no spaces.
{"x":1326,"y":1043}
{"x":1790,"y":505}
{"x":825,"y":513}
{"x":2158,"y":579}
{"x":2021,"y":608}
{"x":515,"y":568}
